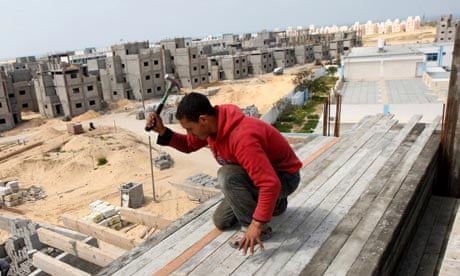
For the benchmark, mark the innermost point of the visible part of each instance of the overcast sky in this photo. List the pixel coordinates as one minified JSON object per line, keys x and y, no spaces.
{"x":39,"y":27}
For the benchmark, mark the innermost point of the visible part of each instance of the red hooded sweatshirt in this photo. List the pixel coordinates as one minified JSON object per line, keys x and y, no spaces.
{"x":254,"y":145}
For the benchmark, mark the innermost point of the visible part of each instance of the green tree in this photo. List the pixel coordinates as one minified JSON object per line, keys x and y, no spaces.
{"x":331,"y":70}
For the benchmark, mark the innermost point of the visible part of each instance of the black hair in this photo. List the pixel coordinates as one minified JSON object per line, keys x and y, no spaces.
{"x":193,"y":105}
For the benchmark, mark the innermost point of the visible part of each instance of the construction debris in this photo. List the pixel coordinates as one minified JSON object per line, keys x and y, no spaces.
{"x":11,"y":195}
{"x":199,"y":187}
{"x":163,"y":160}
{"x":203,"y":180}
{"x":23,"y":239}
{"x":251,"y":111}
{"x":105,"y":214}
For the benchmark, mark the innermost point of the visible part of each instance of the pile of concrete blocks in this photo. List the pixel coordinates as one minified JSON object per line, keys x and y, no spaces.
{"x":131,"y":195}
{"x":23,"y":240}
{"x":33,"y":193}
{"x":251,"y":111}
{"x":203,"y":180}
{"x":9,"y":193}
{"x":163,"y":160}
{"x":105,"y":214}
{"x":75,"y":128}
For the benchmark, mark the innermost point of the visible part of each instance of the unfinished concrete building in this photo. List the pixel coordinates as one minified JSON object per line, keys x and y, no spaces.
{"x":320,"y":51}
{"x":69,"y":91}
{"x":304,"y":54}
{"x":191,"y":67}
{"x":446,"y":29}
{"x":261,"y":62}
{"x":263,"y":39}
{"x":8,"y":116}
{"x":49,"y":104}
{"x":189,"y":64}
{"x":134,"y":72}
{"x":284,"y":57}
{"x":21,"y":83}
{"x":229,"y":67}
{"x":215,"y":70}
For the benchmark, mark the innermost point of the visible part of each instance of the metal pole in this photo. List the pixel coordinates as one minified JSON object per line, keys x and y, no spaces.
{"x":151,"y":168}
{"x":150,"y":142}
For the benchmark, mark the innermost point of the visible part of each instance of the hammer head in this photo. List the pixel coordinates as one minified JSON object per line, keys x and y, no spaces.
{"x":173,"y":81}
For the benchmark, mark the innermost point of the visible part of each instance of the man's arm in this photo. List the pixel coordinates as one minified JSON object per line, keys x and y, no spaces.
{"x":167,"y":137}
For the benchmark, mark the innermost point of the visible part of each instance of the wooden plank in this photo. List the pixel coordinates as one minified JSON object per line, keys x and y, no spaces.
{"x":352,"y":248}
{"x":415,"y":252}
{"x":451,"y":262}
{"x":294,"y":217}
{"x":171,"y":247}
{"x":291,"y":257}
{"x":347,"y":260}
{"x":324,"y":168}
{"x":143,"y":217}
{"x":335,"y":241}
{"x":112,"y":249}
{"x":100,"y":232}
{"x":54,"y":267}
{"x":307,"y":149}
{"x":320,"y":151}
{"x":76,"y":248}
{"x":397,"y":224}
{"x":312,"y":170}
{"x":185,"y":256}
{"x":132,"y":257}
{"x":430,"y":259}
{"x":356,"y":184}
{"x":199,"y":257}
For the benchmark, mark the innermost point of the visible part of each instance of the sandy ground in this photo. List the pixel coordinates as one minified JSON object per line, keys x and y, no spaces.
{"x":65,"y":166}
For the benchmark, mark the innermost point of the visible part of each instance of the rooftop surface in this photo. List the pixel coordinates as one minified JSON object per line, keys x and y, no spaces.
{"x":355,"y":192}
{"x":403,"y":98}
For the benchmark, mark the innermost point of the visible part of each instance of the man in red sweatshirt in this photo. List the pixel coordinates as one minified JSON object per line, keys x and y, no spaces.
{"x":259,"y":168}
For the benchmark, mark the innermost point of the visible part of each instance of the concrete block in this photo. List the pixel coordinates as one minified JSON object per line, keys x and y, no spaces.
{"x":96,"y":217}
{"x":108,"y":211}
{"x":94,"y":204}
{"x":33,"y":242}
{"x":15,"y":243}
{"x":131,"y":195}
{"x":116,"y":226}
{"x":11,"y":203}
{"x":13,"y":185}
{"x":5,"y":191}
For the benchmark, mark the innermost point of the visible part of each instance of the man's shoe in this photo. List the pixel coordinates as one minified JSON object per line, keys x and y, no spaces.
{"x":280,"y":207}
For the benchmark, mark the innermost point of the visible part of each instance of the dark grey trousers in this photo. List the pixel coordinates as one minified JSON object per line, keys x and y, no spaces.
{"x":241,"y":195}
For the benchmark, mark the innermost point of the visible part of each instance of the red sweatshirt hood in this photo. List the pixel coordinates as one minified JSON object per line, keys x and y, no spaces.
{"x":229,"y":117}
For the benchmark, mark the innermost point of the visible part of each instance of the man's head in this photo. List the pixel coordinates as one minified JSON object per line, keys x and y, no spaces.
{"x":196,"y":114}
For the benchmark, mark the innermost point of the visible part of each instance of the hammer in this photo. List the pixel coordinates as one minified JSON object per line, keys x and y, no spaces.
{"x":172,"y":82}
